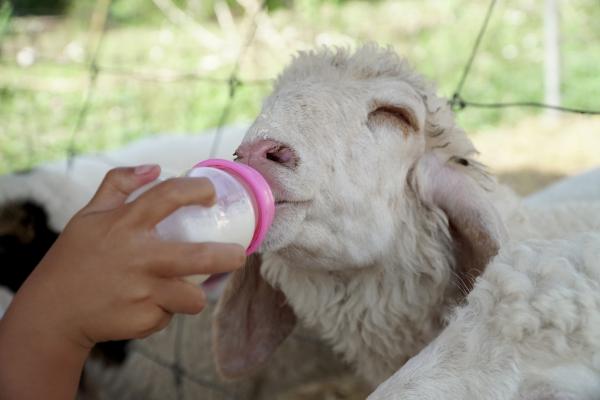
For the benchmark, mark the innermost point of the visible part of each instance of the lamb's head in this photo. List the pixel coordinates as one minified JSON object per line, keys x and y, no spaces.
{"x":339,"y":141}
{"x":368,"y":169}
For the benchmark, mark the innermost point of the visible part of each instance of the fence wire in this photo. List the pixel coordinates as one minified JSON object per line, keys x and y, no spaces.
{"x":102,"y":9}
{"x":234,"y":82}
{"x":458,"y":103}
{"x":176,"y":368}
{"x":95,"y":69}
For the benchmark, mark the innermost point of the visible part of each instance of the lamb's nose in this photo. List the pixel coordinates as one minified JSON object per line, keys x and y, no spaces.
{"x":261,"y":150}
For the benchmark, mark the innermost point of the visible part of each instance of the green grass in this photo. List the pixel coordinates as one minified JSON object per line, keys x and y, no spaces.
{"x":39,"y":105}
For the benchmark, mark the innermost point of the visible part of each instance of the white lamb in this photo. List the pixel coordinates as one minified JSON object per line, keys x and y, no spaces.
{"x":384,"y":220}
{"x":582,"y":187}
{"x":530,"y":329}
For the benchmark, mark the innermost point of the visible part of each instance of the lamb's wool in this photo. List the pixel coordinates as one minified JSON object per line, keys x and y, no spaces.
{"x":554,"y":220}
{"x":530,"y":329}
{"x":363,"y":254}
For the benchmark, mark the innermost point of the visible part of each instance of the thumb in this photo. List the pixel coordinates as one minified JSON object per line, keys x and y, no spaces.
{"x":119,"y":183}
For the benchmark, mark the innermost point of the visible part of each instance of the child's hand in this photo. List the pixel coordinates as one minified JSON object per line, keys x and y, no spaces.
{"x":109,"y":277}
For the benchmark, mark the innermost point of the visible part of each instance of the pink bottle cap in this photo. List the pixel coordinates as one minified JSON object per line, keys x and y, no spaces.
{"x":261,"y":191}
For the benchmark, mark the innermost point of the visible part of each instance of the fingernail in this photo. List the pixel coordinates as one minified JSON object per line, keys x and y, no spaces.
{"x":144,"y":169}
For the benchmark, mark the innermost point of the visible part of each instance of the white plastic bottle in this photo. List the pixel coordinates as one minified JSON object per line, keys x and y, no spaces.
{"x":242,"y":214}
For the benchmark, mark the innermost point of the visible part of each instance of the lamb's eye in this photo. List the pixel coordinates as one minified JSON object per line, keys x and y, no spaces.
{"x":236,"y":156}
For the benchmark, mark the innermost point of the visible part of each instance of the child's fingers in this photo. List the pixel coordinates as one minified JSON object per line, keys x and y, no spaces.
{"x":145,"y":322}
{"x":161,"y":200}
{"x":163,"y":322}
{"x":119,"y":183}
{"x":177,"y":296}
{"x":172,"y":259}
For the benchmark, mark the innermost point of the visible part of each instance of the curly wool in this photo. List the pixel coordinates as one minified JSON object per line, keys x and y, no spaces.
{"x":530,"y":329}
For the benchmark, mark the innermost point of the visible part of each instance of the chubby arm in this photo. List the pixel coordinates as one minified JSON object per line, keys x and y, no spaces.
{"x":107,"y":277}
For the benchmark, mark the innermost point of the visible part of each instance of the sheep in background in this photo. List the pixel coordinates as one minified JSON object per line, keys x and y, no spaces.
{"x":530,"y":329}
{"x":384,"y":219}
{"x":63,"y":187}
{"x":554,"y":221}
{"x":583,"y":187}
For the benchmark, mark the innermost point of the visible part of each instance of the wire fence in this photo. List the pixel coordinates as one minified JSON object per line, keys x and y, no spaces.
{"x":94,"y":70}
{"x":179,"y":373}
{"x":458,"y":103}
{"x":233,"y":82}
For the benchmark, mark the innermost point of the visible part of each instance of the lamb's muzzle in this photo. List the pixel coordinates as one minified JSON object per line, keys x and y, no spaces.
{"x":266,"y":150}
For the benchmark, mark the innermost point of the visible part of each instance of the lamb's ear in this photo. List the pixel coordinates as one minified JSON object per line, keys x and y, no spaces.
{"x":398,"y":106}
{"x":475,"y":226}
{"x":250,"y":322}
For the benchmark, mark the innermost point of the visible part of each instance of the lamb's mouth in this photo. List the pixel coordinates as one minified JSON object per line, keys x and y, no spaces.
{"x":292,"y":202}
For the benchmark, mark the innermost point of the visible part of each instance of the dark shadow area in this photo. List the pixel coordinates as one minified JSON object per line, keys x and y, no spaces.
{"x":25,"y":237}
{"x":527,"y":181}
{"x":22,"y":8}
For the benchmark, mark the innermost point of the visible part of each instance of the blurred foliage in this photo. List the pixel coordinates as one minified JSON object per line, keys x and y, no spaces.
{"x":44,"y":74}
{"x":39,"y":7}
{"x":5,"y":15}
{"x":144,"y":12}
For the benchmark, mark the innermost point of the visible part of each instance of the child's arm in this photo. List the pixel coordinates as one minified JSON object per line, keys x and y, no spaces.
{"x":107,"y":277}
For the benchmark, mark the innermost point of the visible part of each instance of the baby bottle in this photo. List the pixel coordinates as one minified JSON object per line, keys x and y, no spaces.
{"x":242,"y":214}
